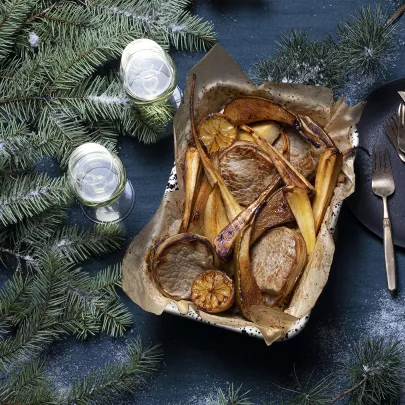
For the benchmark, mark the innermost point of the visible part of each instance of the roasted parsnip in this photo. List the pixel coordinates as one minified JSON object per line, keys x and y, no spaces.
{"x":247,"y":291}
{"x":287,"y":171}
{"x":215,"y":218}
{"x":231,"y":205}
{"x":225,"y":240}
{"x":300,"y":205}
{"x":192,"y":172}
{"x":330,"y":164}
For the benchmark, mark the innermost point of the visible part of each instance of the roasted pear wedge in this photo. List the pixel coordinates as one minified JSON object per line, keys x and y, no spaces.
{"x":246,"y":289}
{"x":215,"y":218}
{"x":330,"y":164}
{"x":246,"y":110}
{"x":300,"y":205}
{"x":178,"y":260}
{"x":231,"y":205}
{"x":192,"y":172}
{"x":225,"y":240}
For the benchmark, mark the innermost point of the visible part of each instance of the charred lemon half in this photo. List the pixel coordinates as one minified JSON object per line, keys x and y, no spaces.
{"x":217,"y":132}
{"x":213,"y":291}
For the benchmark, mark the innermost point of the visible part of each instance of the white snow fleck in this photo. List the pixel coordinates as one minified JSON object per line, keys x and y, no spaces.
{"x":34,"y":40}
{"x":106,"y":99}
{"x":177,"y":27}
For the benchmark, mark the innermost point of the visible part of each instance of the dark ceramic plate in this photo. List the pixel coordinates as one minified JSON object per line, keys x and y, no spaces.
{"x":367,"y":207}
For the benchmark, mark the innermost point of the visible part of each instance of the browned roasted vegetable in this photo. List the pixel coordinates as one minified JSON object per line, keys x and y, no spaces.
{"x":178,"y":260}
{"x":215,"y":218}
{"x":275,"y":212}
{"x":246,"y":289}
{"x":330,"y":164}
{"x":269,"y":131}
{"x":192,"y":171}
{"x":246,"y":110}
{"x":287,"y":171}
{"x":231,"y":205}
{"x":300,"y":205}
{"x":285,"y":141}
{"x":225,"y":240}
{"x":246,"y":171}
{"x":314,"y":133}
{"x":197,"y":217}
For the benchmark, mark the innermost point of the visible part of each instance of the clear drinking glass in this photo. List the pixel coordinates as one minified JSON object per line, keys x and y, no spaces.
{"x":148,"y":73}
{"x":99,"y":181}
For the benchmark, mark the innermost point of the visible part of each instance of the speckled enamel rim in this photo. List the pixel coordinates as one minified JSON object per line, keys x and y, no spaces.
{"x":298,"y":326}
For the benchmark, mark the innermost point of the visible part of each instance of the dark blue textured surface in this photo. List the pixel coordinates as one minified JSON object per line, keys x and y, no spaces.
{"x":199,"y":357}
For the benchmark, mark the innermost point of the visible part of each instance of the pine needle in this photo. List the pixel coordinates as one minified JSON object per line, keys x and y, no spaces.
{"x":377,"y":368}
{"x":12,"y":17}
{"x":28,"y":385}
{"x":365,"y":44}
{"x":77,"y":244}
{"x":20,"y":148}
{"x":105,"y":386}
{"x":299,"y":60}
{"x":231,"y":397}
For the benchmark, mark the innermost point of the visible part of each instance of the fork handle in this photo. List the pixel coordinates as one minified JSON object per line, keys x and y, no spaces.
{"x":390,"y":267}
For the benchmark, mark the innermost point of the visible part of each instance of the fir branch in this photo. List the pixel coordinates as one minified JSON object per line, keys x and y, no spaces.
{"x":42,"y":319}
{"x":189,"y":32}
{"x":97,"y":312}
{"x":105,"y":386}
{"x":231,"y":397}
{"x":106,"y":280}
{"x":77,"y":244}
{"x":28,"y":385}
{"x":12,"y":19}
{"x":365,"y":44}
{"x":299,"y":59}
{"x":168,"y":19}
{"x":36,"y":231}
{"x":397,"y":15}
{"x":376,"y":370}
{"x":29,"y":195}
{"x":10,"y":294}
{"x":28,"y":234}
{"x":20,"y":148}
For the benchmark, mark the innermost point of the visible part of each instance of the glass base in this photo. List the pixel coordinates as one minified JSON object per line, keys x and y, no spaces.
{"x":115,"y":212}
{"x":175,"y":98}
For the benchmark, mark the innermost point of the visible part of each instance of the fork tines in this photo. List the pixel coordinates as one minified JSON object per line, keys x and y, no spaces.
{"x":381,"y":159}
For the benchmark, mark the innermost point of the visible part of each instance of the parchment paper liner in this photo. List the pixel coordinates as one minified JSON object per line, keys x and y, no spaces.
{"x":219,"y":79}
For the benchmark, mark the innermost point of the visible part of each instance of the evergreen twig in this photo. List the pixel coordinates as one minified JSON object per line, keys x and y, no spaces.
{"x":105,"y":386}
{"x":77,"y":244}
{"x":230,"y":397}
{"x":28,"y":195}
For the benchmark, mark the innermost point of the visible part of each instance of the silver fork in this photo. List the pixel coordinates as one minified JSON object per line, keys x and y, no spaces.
{"x":401,"y":127}
{"x":391,"y":129}
{"x":383,"y":185}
